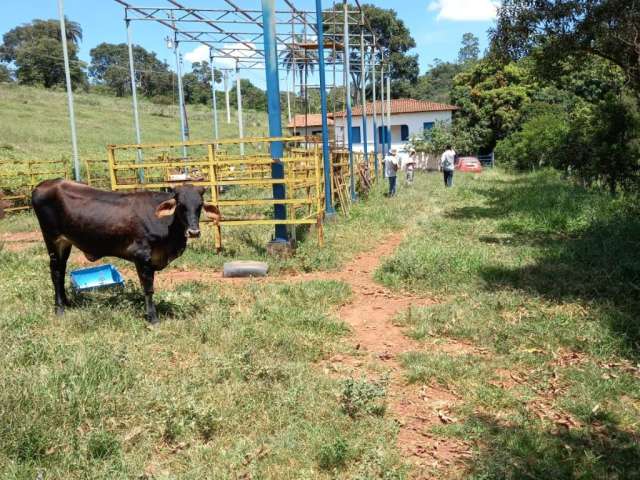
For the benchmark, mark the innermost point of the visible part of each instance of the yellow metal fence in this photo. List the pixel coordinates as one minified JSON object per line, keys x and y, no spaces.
{"x":19,"y":178}
{"x":240,"y":186}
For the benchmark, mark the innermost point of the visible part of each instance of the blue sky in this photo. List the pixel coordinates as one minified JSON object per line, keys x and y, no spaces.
{"x":436,"y":25}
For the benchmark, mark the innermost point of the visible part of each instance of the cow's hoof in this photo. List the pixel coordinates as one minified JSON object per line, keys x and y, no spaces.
{"x":153,"y":322}
{"x":59,"y":311}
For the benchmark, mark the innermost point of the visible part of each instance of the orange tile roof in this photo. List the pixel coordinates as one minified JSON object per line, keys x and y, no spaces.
{"x":403,"y":105}
{"x":311,"y":120}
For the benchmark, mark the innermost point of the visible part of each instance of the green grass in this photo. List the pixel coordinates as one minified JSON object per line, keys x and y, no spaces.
{"x":34,"y":123}
{"x":541,"y":278}
{"x":226,"y":386}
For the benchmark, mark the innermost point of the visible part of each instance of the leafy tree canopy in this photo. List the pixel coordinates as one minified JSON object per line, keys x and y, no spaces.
{"x":609,"y":29}
{"x":110,"y":67}
{"x":493,"y":98}
{"x":393,"y":37}
{"x":5,"y":74}
{"x":470,"y":50}
{"x":36,"y":50}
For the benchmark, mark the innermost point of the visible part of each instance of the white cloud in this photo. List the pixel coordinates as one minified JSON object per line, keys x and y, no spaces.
{"x":465,"y":10}
{"x":224,"y":56}
{"x":198,"y":54}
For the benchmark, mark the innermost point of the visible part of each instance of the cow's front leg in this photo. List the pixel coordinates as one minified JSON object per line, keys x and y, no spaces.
{"x":146,"y":275}
{"x":58,"y":256}
{"x":65,"y":251}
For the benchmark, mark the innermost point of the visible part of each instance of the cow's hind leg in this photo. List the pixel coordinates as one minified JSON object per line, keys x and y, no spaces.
{"x":59,"y":251}
{"x":146,"y":275}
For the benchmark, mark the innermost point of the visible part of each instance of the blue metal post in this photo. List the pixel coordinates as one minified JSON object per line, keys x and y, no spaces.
{"x":326,"y":154}
{"x":275,"y":115}
{"x":375,"y":112}
{"x":363,"y":100}
{"x":347,"y":80}
{"x":389,"y":108}
{"x":383,"y":119}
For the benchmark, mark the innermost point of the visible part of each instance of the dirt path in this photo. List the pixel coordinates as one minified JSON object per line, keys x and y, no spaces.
{"x":17,"y":242}
{"x":415,"y":407}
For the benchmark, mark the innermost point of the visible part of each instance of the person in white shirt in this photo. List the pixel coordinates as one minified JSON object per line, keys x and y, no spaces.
{"x":410,"y":166}
{"x":391,"y":165}
{"x":447,"y":164}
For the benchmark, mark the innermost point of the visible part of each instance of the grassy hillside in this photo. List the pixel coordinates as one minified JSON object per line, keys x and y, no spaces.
{"x":34,"y":123}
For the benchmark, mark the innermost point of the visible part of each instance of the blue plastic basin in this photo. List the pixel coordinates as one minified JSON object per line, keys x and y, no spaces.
{"x":96,"y":277}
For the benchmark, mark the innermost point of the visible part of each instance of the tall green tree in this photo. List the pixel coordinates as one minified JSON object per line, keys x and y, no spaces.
{"x":197,"y":83}
{"x":609,"y":29}
{"x":5,"y":74}
{"x":202,"y":71}
{"x":253,"y":98}
{"x":110,"y":67}
{"x":470,"y":49}
{"x":493,"y":98}
{"x":299,"y":61}
{"x":436,"y":84}
{"x":35,"y":49}
{"x":395,"y":42}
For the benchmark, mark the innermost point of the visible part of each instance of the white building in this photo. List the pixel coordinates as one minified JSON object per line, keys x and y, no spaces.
{"x":408,"y":118}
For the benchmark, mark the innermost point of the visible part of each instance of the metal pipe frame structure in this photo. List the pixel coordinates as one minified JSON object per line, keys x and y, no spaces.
{"x":388,"y":110}
{"x":183,"y":110}
{"x":239,"y":108}
{"x":67,"y":72}
{"x":275,"y":116}
{"x":363,"y":99}
{"x":347,"y":82}
{"x":226,"y":95}
{"x":214,"y":99}
{"x":248,"y":38}
{"x":134,"y":98}
{"x":383,"y":119}
{"x":375,"y":120}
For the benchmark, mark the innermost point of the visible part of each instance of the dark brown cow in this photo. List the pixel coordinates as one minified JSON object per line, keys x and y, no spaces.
{"x":149,"y":229}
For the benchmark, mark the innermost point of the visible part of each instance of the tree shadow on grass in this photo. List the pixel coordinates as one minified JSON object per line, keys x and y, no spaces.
{"x":519,"y":451}
{"x":586,"y":243}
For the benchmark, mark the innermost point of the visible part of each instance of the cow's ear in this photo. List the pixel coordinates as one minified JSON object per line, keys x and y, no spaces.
{"x":212,"y":212}
{"x":166,"y":209}
{"x":200,"y":190}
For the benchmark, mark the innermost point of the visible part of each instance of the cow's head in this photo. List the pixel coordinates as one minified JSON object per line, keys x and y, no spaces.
{"x":186,"y":205}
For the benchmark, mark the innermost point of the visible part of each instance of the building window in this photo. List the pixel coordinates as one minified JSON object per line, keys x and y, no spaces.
{"x":383,"y":135}
{"x":404,"y":133}
{"x":355,"y":135}
{"x":428,"y":126}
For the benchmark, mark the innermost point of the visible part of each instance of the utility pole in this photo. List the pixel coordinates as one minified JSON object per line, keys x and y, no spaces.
{"x":67,"y":75}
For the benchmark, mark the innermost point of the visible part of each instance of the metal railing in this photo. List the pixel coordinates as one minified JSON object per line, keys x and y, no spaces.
{"x":241,"y":186}
{"x":19,"y":178}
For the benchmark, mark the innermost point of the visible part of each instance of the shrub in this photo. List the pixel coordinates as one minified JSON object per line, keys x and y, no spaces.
{"x":333,"y":455}
{"x":541,"y":142}
{"x":363,"y":397}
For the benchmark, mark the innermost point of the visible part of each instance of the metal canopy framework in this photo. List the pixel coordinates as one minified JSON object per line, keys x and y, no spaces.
{"x":324,"y":41}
